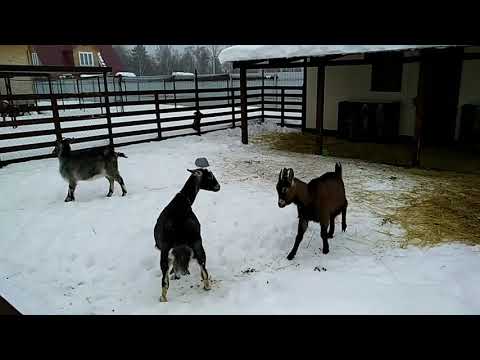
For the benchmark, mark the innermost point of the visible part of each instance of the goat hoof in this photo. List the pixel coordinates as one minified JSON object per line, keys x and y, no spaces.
{"x":109,"y":194}
{"x":69,"y":199}
{"x":124,"y":193}
{"x":290,"y":256}
{"x":344,"y":227}
{"x":206,"y":285}
{"x":325,"y":251}
{"x":330,"y":236}
{"x":163,"y":299}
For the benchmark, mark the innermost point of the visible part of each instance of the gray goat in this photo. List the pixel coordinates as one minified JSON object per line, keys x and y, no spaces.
{"x":88,"y":164}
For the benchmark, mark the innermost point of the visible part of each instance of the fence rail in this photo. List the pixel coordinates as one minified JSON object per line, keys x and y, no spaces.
{"x":109,"y":117}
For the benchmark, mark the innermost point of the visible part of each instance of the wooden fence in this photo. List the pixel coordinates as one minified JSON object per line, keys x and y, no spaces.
{"x":100,"y":118}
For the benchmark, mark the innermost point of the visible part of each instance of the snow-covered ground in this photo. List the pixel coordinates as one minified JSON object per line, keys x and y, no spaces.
{"x":96,"y":255}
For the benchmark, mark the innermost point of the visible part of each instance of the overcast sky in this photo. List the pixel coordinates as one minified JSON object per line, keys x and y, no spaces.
{"x":151,"y":48}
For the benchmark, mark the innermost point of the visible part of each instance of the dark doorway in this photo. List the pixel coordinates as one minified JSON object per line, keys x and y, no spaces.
{"x":440,"y":73}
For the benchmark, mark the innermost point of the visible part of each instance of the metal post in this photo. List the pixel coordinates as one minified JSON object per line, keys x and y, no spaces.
{"x":263,"y":95}
{"x":282,"y":119}
{"x":56,"y":117}
{"x":138,"y":88}
{"x":157,"y":114}
{"x":61,"y":90}
{"x":107,"y":109}
{"x":99,"y":90}
{"x":165,"y":89}
{"x":243,"y":103}
{"x":174,"y":93}
{"x":81,"y":90}
{"x":233,"y":107}
{"x":197,"y":105}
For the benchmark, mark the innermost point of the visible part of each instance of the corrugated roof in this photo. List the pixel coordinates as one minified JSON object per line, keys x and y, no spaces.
{"x":267,"y":52}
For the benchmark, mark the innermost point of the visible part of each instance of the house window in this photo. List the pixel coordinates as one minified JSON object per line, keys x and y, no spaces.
{"x":386,"y":72}
{"x":35,"y":59}
{"x":86,"y":58}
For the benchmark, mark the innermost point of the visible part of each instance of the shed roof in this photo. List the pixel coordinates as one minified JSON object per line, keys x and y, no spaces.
{"x":266,"y":52}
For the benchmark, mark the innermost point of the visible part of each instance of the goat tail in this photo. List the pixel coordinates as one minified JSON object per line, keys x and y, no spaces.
{"x":338,"y":169}
{"x":119,"y":154}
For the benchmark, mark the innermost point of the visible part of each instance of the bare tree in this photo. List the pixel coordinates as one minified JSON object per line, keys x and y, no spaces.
{"x":215,"y":50}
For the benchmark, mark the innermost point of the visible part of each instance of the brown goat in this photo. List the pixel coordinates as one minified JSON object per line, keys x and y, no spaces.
{"x":321,"y":201}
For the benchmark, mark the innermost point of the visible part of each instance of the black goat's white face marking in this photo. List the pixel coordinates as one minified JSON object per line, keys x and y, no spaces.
{"x":285,"y":187}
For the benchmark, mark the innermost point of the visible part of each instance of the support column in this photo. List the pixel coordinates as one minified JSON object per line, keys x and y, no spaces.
{"x":243,"y":103}
{"x":320,"y":106}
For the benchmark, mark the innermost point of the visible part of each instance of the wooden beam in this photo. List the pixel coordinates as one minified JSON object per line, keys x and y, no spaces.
{"x":243,"y":104}
{"x":419,"y":114}
{"x":304,"y":97}
{"x":328,"y":61}
{"x":320,"y":105}
{"x":54,"y":69}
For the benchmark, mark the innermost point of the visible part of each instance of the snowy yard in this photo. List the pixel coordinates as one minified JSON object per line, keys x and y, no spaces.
{"x":97,"y":256}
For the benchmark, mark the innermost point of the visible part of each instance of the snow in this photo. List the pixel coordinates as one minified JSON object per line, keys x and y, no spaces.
{"x":180,"y":73}
{"x":96,"y":255}
{"x":125,"y":74}
{"x":261,"y":52}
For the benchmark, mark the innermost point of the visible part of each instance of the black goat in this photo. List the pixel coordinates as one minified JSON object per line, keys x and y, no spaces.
{"x":177,"y":231}
{"x":88,"y":164}
{"x":321,"y":200}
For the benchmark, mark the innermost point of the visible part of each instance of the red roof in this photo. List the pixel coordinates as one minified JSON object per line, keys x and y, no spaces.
{"x":62,"y":55}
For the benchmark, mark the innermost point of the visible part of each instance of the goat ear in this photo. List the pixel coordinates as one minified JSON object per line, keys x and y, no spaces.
{"x":195,"y":172}
{"x":290,"y":175}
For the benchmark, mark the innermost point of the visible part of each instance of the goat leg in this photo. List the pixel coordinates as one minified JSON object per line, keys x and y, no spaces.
{"x":331,"y":230}
{"x":122,"y":184}
{"x":71,"y":192}
{"x":324,"y":235}
{"x":302,"y":227}
{"x":165,"y":280}
{"x":199,"y":254}
{"x":344,"y":218}
{"x":110,"y":189}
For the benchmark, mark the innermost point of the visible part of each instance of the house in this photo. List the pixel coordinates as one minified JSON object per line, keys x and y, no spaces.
{"x":59,"y":55}
{"x":426,"y":87}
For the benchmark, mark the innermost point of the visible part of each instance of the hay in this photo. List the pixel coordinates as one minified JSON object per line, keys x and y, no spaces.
{"x":394,"y":154}
{"x":291,"y":141}
{"x":441,"y":209}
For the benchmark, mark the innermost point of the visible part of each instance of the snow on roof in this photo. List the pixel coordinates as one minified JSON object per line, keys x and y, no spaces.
{"x":180,"y":73}
{"x":263,"y":52}
{"x":125,"y":74}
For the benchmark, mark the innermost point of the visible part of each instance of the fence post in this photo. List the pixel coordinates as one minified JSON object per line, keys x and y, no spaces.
{"x":197,"y":106}
{"x":164,"y":89}
{"x":263,"y":95}
{"x":138,"y":88}
{"x":100,"y":98}
{"x":282,"y":119}
{"x":56,"y":117}
{"x":174,"y":93}
{"x":157,"y":114}
{"x":233,"y":107}
{"x":107,"y":109}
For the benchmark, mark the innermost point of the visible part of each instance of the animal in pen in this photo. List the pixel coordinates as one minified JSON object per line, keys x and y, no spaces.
{"x":177,"y":231}
{"x":321,"y":201}
{"x":88,"y":164}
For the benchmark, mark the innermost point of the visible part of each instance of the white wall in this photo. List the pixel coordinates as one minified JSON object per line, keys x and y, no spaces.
{"x":469,"y":88}
{"x":352,"y":82}
{"x":312,"y":80}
